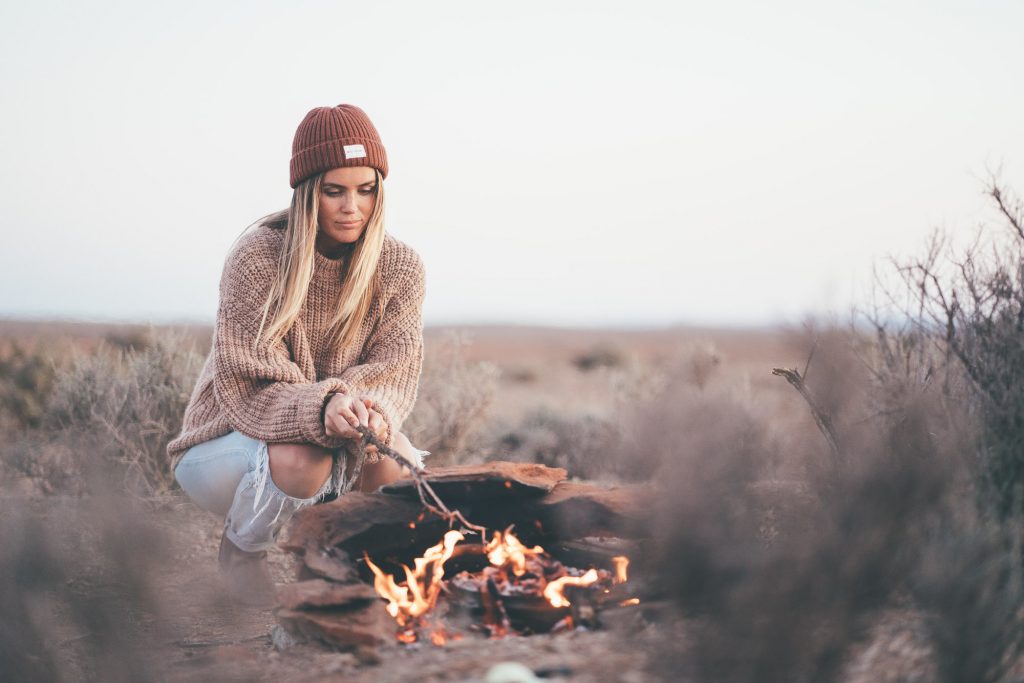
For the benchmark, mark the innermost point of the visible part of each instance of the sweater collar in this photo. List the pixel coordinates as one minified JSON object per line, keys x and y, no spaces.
{"x":327,"y":270}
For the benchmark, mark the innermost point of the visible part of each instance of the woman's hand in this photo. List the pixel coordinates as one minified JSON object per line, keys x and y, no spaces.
{"x":343,"y":413}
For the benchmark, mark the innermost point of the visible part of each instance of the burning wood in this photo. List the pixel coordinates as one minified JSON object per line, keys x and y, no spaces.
{"x":419,"y":593}
{"x":522,"y":588}
{"x":494,"y":583}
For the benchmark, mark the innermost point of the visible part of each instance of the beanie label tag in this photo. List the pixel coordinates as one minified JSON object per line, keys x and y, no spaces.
{"x":354,"y":151}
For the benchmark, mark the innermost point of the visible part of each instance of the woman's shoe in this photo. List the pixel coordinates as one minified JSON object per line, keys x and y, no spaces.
{"x":246,"y":575}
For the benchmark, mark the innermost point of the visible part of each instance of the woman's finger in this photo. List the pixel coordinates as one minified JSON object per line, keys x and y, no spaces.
{"x":377,"y":424}
{"x":336,"y":425}
{"x":361,"y":412}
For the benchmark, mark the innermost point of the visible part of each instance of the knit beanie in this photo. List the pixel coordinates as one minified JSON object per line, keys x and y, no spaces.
{"x":330,"y":137}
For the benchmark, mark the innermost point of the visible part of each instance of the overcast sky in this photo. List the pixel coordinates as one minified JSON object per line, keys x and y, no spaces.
{"x":556,"y":163}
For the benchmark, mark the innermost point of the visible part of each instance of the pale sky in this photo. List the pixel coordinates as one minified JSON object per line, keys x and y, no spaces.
{"x":584,"y":163}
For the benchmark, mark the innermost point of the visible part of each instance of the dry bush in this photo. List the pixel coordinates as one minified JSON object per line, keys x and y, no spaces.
{"x":600,"y":356}
{"x":51,"y":463}
{"x":27,"y":373}
{"x":965,"y":308}
{"x":582,"y":444}
{"x":126,"y":405}
{"x":599,"y":444}
{"x":452,"y":402}
{"x":884,"y":524}
{"x":77,"y":597}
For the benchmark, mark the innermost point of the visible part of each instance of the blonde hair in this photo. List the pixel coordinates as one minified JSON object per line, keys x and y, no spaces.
{"x":295,"y":267}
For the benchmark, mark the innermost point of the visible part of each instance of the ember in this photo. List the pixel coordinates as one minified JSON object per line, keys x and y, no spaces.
{"x":521,"y":588}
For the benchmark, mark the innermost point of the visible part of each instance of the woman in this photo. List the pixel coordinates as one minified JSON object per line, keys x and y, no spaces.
{"x":318,"y":330}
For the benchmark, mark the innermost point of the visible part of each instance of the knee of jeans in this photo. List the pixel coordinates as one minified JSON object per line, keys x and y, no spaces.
{"x":304,"y":469}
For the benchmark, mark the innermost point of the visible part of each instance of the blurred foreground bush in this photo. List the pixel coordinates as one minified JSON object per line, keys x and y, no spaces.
{"x":790,"y":580}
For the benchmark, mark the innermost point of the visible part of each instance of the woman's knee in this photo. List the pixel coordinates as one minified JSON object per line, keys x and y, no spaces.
{"x":299,"y":470}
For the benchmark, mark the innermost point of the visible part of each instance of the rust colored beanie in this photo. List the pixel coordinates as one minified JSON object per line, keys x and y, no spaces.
{"x":330,"y":137}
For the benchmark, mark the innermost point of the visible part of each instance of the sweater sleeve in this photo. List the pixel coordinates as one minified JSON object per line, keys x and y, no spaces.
{"x":392,"y":357}
{"x":261,"y":390}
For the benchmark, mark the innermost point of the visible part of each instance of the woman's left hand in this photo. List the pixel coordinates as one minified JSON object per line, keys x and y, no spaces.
{"x":378,"y":426}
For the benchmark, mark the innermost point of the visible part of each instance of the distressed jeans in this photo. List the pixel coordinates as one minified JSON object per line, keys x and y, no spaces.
{"x":230,"y":476}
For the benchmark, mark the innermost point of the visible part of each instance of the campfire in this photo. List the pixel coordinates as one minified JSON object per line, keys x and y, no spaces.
{"x":521,"y":589}
{"x":548,"y":555}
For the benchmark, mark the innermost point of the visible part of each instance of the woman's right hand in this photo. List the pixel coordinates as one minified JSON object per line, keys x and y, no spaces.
{"x":343,"y":413}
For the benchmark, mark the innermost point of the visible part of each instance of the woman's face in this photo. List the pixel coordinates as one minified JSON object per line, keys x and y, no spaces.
{"x":347,"y":196}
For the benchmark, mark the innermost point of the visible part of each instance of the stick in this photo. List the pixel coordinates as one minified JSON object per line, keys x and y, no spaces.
{"x":821,"y":418}
{"x":431,"y":501}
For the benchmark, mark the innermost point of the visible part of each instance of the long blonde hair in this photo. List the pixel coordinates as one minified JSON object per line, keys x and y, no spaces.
{"x":295,"y":267}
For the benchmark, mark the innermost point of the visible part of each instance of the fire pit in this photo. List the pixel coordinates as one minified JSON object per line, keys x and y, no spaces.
{"x":567,"y":567}
{"x":512,"y":588}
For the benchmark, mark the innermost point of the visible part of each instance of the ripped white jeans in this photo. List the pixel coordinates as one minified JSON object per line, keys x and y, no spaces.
{"x":230,"y":476}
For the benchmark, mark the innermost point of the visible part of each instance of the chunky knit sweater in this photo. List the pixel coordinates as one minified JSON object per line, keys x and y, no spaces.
{"x":277,"y":394}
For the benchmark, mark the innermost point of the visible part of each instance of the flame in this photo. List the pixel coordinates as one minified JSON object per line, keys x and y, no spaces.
{"x":505,"y":549}
{"x":419,"y":592}
{"x":516,"y":568}
{"x":621,"y":564}
{"x":629,"y":601}
{"x":554,"y":591}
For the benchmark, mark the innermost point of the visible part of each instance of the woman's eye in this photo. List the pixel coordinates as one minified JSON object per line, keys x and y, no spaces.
{"x":367,"y":190}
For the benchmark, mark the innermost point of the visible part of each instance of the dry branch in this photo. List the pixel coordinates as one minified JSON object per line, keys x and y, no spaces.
{"x":431,"y":501}
{"x":821,"y":418}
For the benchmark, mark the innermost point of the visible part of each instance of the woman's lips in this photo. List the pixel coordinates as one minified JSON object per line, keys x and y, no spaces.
{"x":349,"y":224}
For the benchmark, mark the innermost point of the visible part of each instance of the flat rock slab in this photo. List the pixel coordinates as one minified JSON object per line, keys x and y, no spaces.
{"x":577,"y":509}
{"x":348,"y":629}
{"x":495,"y":480}
{"x":321,"y":593}
{"x":333,"y":524}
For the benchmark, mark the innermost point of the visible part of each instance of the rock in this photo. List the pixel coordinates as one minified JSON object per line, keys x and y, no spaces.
{"x":329,"y":563}
{"x":493,"y":480}
{"x":281,"y":639}
{"x":510,"y":672}
{"x":323,"y":593}
{"x":578,"y":509}
{"x":348,"y":518}
{"x":347,"y":629}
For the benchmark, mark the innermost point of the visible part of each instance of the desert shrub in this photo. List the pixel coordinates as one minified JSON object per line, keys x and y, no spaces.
{"x":126,"y":405}
{"x":969,"y":303}
{"x":452,"y":402}
{"x":601,"y":444}
{"x":27,"y":375}
{"x":129,"y":339}
{"x":790,"y":609}
{"x":52,"y":463}
{"x":600,"y":356}
{"x":970,"y":586}
{"x":582,"y":444}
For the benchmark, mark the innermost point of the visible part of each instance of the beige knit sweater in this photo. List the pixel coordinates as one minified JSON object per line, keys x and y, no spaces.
{"x":277,"y":394}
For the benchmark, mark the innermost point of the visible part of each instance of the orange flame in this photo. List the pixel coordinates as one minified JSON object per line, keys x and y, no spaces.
{"x":505,"y":548}
{"x":419,"y":592}
{"x":554,"y":591}
{"x":621,"y":564}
